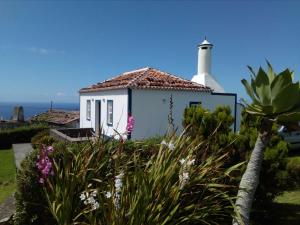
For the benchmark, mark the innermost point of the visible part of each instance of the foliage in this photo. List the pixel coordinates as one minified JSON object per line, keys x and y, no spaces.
{"x":293,"y":168}
{"x":19,"y":135}
{"x":273,"y":96}
{"x":203,"y":123}
{"x":274,"y":177}
{"x":214,"y":127}
{"x":30,"y":201}
{"x":170,"y":184}
{"x":42,"y":138}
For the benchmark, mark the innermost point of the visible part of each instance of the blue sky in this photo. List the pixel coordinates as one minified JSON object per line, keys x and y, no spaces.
{"x":51,"y":49}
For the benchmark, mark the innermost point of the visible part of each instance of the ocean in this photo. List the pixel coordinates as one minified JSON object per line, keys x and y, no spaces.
{"x":33,"y":108}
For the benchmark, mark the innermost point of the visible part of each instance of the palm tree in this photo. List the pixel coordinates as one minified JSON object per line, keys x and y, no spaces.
{"x":275,"y":98}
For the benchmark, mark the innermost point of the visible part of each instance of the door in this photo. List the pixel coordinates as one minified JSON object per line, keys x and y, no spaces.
{"x":98,"y":117}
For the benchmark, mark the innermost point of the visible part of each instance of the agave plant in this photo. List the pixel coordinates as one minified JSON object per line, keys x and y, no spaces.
{"x":276,"y":99}
{"x":274,"y":96}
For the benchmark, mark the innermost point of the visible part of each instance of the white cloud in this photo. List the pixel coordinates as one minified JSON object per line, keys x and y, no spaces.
{"x":60,"y":94}
{"x":45,"y":51}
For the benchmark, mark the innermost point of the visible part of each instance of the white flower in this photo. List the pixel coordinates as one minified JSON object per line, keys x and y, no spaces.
{"x":182,"y":161}
{"x":95,"y":206}
{"x":118,"y":181}
{"x":183,"y":179}
{"x":94,"y":193}
{"x":90,"y":185}
{"x":163,"y":142}
{"x":88,"y":199}
{"x":185,"y":176}
{"x":82,"y":197}
{"x":108,"y":194}
{"x":190,"y":162}
{"x":171,"y":146}
{"x":118,"y":187}
{"x":91,"y":200}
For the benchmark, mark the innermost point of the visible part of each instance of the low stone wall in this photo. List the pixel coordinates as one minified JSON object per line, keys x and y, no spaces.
{"x":73,"y":135}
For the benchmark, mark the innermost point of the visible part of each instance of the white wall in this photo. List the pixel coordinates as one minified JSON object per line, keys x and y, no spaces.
{"x":120,"y":99}
{"x":150,"y":109}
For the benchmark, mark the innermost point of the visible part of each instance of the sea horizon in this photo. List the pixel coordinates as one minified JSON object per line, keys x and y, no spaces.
{"x":33,"y":108}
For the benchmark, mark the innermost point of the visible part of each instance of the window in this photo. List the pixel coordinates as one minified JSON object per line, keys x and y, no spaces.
{"x":195,"y":104}
{"x":110,"y":112}
{"x":88,"y":109}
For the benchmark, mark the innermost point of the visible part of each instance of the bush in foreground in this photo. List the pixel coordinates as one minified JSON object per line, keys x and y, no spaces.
{"x":275,"y":175}
{"x":103,"y":183}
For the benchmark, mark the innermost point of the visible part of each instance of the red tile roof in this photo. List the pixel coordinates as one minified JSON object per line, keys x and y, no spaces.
{"x":54,"y":116}
{"x":147,"y":78}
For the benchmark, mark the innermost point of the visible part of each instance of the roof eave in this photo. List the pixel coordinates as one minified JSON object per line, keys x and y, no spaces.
{"x":89,"y":90}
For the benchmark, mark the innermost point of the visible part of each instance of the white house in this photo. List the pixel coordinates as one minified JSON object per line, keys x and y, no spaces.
{"x":145,"y":94}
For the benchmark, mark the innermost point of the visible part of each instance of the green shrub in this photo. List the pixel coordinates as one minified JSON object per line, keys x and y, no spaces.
{"x":19,"y":135}
{"x":42,"y":137}
{"x":274,"y":175}
{"x":293,"y":168}
{"x":30,"y":199}
{"x":152,"y":190}
{"x":213,"y":127}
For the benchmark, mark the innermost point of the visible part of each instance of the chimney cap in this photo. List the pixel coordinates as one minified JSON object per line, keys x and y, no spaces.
{"x":205,"y":43}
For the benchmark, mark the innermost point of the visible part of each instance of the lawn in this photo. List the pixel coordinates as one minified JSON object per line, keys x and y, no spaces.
{"x":7,"y":174}
{"x":294,"y":159}
{"x":289,"y":197}
{"x":285,"y":210}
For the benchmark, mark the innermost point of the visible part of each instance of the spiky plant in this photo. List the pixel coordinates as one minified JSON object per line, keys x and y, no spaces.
{"x":275,"y":98}
{"x":175,"y":185}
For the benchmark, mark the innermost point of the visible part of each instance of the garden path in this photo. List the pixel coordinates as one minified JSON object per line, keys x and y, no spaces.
{"x":20,"y":152}
{"x":7,"y":208}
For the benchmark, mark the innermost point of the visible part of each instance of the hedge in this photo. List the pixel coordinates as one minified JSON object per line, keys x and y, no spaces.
{"x":19,"y":135}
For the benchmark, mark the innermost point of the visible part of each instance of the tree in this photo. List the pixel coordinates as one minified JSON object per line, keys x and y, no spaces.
{"x":276,"y":99}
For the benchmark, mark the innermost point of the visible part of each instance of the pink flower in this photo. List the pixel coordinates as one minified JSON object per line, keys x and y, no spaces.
{"x":41,"y":180}
{"x":44,"y":164}
{"x":50,"y":149}
{"x":130,"y":124}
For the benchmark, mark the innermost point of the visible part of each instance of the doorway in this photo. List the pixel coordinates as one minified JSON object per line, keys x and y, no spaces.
{"x":98,"y":117}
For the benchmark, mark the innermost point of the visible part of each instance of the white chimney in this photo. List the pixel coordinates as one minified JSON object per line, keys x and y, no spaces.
{"x":204,"y":57}
{"x":204,"y":75}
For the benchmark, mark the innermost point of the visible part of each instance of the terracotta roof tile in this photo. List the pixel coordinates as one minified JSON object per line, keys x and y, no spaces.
{"x":57,"y":116}
{"x":147,"y":78}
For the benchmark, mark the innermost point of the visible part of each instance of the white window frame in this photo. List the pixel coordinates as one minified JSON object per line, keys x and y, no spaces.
{"x":110,"y":112}
{"x":88,"y":109}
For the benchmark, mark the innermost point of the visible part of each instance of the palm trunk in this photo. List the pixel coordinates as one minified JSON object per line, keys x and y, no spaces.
{"x":250,"y":178}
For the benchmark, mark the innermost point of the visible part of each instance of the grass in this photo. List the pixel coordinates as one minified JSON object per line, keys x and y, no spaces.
{"x":289,"y":197}
{"x":285,"y":210}
{"x":7,"y":174}
{"x":295,"y":159}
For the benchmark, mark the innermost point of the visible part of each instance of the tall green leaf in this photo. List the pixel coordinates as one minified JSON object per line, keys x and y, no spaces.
{"x":280,"y":81}
{"x":286,"y":99}
{"x":262,"y":87}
